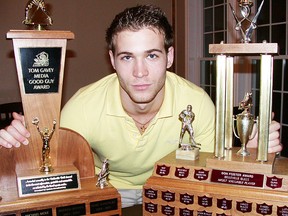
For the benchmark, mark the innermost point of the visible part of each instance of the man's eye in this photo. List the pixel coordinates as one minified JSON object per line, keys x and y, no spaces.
{"x":152,"y":56}
{"x":126,"y":58}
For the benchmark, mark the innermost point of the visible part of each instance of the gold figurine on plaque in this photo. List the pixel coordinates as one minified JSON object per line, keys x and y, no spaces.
{"x":36,"y":15}
{"x":46,"y":136}
{"x":244,"y":124}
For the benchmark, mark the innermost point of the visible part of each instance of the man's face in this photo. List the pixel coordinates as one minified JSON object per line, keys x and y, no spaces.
{"x":140,"y":61}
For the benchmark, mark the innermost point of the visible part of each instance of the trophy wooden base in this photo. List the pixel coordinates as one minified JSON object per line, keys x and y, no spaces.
{"x":192,"y":154}
{"x":180,"y":187}
{"x":89,"y":200}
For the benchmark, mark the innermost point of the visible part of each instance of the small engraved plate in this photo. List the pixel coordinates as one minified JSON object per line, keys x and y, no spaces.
{"x":204,"y":213}
{"x":181,"y":172}
{"x":168,"y":210}
{"x":150,"y":193}
{"x":150,"y":207}
{"x":44,"y":184}
{"x":201,"y":174}
{"x":168,"y":196}
{"x":274,"y":182}
{"x":224,"y":204}
{"x":41,"y":69}
{"x":103,"y":206}
{"x":244,"y":206}
{"x":78,"y":209}
{"x":237,"y":178}
{"x":187,"y":199}
{"x":282,"y":211}
{"x":162,"y":170}
{"x":205,"y":201}
{"x":41,"y":212}
{"x":185,"y":212}
{"x":264,"y":209}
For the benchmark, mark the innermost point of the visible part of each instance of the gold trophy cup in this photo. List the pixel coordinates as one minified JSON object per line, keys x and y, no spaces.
{"x":244,"y":124}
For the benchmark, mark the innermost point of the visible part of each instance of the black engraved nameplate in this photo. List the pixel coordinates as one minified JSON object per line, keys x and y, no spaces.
{"x":29,"y":184}
{"x":46,"y":212}
{"x":103,"y":206}
{"x":78,"y":209}
{"x":40,"y":69}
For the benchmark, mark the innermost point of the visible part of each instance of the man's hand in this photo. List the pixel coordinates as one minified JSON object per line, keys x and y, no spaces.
{"x":274,"y":144}
{"x":15,"y":133}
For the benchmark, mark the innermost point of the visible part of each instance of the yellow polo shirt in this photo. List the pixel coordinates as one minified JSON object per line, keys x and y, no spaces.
{"x":95,"y":112}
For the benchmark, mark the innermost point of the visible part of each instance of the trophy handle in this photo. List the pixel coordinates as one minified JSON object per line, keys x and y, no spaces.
{"x":255,"y":132}
{"x":235,"y":134}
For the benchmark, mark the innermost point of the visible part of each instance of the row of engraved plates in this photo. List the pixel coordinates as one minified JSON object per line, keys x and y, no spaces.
{"x":157,"y":200}
{"x":183,"y":188}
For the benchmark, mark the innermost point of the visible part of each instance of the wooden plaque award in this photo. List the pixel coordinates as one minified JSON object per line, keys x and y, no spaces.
{"x":230,"y":181}
{"x":54,"y":174}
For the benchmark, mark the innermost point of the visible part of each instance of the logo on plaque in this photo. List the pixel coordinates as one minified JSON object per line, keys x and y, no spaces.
{"x":41,"y":69}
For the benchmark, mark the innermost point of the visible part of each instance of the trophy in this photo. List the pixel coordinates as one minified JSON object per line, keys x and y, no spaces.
{"x":224,"y":182}
{"x":64,"y":157}
{"x":187,"y":151}
{"x":244,"y":124}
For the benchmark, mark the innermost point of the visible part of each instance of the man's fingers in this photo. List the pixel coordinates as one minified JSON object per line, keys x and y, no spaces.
{"x":7,"y":140}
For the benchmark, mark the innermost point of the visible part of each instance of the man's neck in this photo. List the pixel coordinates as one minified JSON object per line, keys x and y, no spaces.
{"x":138,"y":110}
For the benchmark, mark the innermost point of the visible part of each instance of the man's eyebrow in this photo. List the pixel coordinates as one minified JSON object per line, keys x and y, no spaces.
{"x":124,"y":53}
{"x":154,"y":50}
{"x":147,"y":51}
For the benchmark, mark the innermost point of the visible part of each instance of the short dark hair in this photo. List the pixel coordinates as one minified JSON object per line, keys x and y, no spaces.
{"x":135,"y":18}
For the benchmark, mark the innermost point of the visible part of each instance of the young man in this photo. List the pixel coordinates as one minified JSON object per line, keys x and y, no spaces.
{"x":131,"y":117}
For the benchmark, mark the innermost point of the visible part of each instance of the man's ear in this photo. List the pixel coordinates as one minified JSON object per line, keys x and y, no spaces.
{"x":170,"y":57}
{"x":112,"y":60}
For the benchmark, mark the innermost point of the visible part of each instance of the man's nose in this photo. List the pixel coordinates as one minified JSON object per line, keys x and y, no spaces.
{"x":140,"y":69}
